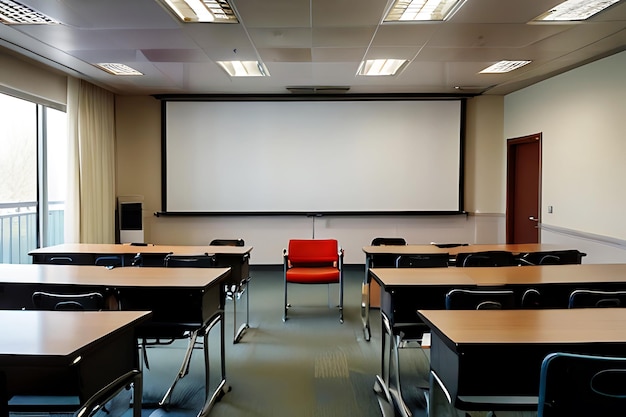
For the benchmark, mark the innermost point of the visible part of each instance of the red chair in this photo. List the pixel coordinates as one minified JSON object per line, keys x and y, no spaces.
{"x":313,"y":261}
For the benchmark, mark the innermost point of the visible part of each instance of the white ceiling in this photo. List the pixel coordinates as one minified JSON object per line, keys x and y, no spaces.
{"x":312,"y":43}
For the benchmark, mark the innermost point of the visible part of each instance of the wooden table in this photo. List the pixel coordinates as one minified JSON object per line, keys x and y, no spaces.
{"x":371,"y":251}
{"x":491,"y":359}
{"x":67,"y":352}
{"x":192,"y":297}
{"x":405,"y":290}
{"x":235,"y":257}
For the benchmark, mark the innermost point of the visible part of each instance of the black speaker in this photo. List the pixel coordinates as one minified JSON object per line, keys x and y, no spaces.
{"x":130,"y":216}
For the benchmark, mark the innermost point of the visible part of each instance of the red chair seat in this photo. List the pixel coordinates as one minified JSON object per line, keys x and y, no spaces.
{"x":321,"y":275}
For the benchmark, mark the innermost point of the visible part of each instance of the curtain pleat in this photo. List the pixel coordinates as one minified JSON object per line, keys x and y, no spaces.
{"x":90,"y":207}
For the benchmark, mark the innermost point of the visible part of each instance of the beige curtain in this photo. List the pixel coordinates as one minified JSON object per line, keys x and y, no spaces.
{"x":90,"y":203}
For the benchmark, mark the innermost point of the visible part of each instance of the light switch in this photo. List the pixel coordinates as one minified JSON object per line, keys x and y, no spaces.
{"x":549,"y":209}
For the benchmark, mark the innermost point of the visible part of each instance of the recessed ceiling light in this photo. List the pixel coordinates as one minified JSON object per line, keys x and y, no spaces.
{"x":573,"y":10}
{"x":374,"y":67}
{"x":213,"y":11}
{"x":117,"y":69}
{"x":244,"y":68}
{"x":412,"y":10}
{"x":504,"y":66}
{"x":14,"y":13}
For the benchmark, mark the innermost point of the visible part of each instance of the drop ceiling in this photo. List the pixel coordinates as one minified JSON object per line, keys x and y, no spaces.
{"x":312,"y":45}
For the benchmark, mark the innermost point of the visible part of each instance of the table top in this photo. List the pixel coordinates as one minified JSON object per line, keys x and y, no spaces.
{"x":116,"y":277}
{"x":504,"y":275}
{"x":28,"y":333}
{"x":397,"y":277}
{"x":562,"y":326}
{"x":121,"y":249}
{"x":417,"y":249}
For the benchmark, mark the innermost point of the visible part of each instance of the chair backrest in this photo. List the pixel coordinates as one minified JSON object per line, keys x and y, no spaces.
{"x":485,"y":258}
{"x":227,"y":242}
{"x":313,"y":252}
{"x":385,"y":260}
{"x":92,"y":301}
{"x":575,"y":385}
{"x":424,"y":260}
{"x":110,"y":261}
{"x":448,"y":245}
{"x":149,"y":259}
{"x":389,"y":241}
{"x":596,"y":299}
{"x":461,"y":299}
{"x":558,"y":257}
{"x":190,"y":261}
{"x":531,"y":299}
{"x":95,"y":405}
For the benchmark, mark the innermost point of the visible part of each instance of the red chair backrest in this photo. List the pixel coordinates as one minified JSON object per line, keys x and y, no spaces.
{"x":313,"y":251}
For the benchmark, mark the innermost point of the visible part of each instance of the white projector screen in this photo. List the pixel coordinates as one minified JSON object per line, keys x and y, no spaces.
{"x":326,"y":157}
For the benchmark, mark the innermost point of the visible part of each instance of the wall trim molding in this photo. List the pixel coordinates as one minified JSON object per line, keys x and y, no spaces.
{"x":606,"y":240}
{"x":478,"y":214}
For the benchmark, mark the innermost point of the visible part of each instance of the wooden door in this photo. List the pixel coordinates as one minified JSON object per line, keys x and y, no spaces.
{"x":523,"y":189}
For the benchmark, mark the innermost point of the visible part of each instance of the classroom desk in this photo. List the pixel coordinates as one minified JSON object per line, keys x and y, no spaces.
{"x":189,"y":296}
{"x":67,"y":352}
{"x":371,"y":251}
{"x":491,"y":359}
{"x":235,"y":257}
{"x":405,"y":290}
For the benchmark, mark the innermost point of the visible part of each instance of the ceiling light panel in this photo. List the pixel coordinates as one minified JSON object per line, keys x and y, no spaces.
{"x":377,"y":67}
{"x":14,"y":13}
{"x":504,"y":66}
{"x":244,"y":68}
{"x":423,"y":10}
{"x":117,"y":69}
{"x":207,"y":11}
{"x":575,"y":10}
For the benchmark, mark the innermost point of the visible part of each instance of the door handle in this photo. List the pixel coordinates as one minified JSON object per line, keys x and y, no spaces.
{"x":533,"y":218}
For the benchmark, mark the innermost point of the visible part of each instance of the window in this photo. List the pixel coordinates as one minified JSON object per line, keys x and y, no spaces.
{"x":33,"y":168}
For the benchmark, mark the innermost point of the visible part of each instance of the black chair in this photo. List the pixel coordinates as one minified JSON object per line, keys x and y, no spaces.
{"x":385,"y":260}
{"x":148,"y":259}
{"x":596,"y":299}
{"x":576,"y":385}
{"x":463,"y":299}
{"x":110,"y":261}
{"x":227,"y":242}
{"x":448,"y":245}
{"x":532,"y":299}
{"x":190,"y":261}
{"x":95,"y":405}
{"x":426,"y":260}
{"x":93,"y":301}
{"x":558,"y":257}
{"x":403,"y":328}
{"x":485,"y":258}
{"x":191,"y":331}
{"x":234,"y":291}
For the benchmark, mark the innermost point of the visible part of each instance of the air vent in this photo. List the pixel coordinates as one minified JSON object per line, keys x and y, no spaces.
{"x":318,"y":90}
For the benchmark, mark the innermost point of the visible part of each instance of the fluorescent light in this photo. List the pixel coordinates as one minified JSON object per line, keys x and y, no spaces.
{"x":504,"y":66}
{"x":117,"y":69}
{"x":374,"y":67}
{"x":215,"y":11}
{"x":412,"y":10}
{"x":14,"y":13}
{"x":573,"y":10}
{"x":244,"y":68}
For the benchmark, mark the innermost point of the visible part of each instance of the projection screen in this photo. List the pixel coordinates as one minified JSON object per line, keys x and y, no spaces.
{"x":326,"y":157}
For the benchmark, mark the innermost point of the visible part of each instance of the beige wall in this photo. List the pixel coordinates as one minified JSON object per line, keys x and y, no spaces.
{"x":580,"y":116}
{"x":138,"y":173}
